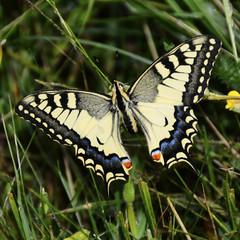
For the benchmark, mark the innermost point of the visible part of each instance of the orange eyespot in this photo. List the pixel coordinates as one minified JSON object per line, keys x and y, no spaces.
{"x":127,"y":163}
{"x":156,"y":155}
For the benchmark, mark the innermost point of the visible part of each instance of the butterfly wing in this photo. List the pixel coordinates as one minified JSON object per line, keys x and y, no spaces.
{"x":87,"y":121}
{"x":162,"y":96}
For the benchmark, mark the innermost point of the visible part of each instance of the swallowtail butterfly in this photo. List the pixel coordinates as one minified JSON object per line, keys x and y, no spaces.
{"x":160,"y":100}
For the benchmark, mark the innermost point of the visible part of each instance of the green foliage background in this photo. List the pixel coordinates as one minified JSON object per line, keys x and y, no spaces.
{"x":45,"y":192}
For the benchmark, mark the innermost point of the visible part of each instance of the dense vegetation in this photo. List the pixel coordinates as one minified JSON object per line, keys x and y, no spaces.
{"x":46,"y":192}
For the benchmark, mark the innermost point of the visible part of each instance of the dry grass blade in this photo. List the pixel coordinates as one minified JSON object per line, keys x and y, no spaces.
{"x":178,"y":219}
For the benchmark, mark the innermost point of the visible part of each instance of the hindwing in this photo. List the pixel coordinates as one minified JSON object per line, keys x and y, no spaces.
{"x":87,"y":121}
{"x":161,"y":98}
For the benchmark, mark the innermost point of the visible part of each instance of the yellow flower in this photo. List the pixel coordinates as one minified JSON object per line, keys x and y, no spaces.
{"x":233,"y":104}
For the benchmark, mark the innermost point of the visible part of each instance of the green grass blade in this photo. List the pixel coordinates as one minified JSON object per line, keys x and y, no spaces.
{"x":93,"y":221}
{"x":16,"y":214}
{"x":229,"y":196}
{"x":132,"y":220}
{"x":228,"y":12}
{"x":83,"y":235}
{"x":147,"y":204}
{"x":123,"y":226}
{"x":142,"y":224}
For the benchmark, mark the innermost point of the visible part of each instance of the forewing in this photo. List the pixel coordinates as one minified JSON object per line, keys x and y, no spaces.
{"x":161,"y":98}
{"x":181,"y":76}
{"x":87,"y":121}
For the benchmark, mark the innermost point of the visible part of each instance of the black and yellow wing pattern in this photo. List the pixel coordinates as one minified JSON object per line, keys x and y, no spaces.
{"x":160,"y":100}
{"x":164,"y":93}
{"x":85,"y":120}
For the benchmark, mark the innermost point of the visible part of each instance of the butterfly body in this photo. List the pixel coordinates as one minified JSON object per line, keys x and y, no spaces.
{"x":160,"y":101}
{"x":124,"y":105}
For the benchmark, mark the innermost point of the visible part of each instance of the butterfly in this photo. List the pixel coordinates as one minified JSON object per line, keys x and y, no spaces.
{"x":160,"y":101}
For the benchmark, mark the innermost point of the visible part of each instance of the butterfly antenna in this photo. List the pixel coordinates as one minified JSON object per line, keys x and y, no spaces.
{"x":116,"y":64}
{"x":103,"y":70}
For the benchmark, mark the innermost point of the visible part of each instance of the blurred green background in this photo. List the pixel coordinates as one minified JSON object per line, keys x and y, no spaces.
{"x":46,"y":193}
